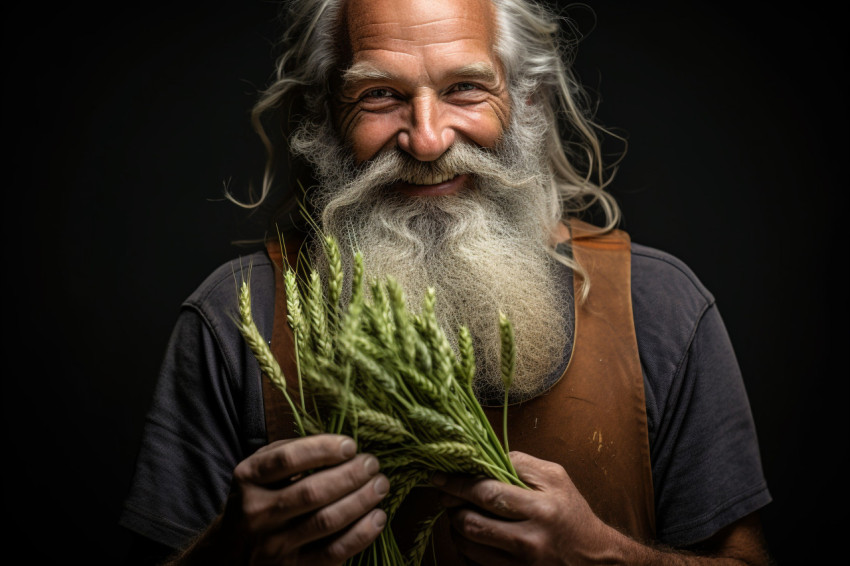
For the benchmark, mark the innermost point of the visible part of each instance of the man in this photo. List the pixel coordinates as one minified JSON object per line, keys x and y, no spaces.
{"x":431,"y":130}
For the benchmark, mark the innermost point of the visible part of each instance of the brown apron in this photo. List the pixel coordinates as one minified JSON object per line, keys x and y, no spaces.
{"x":592,"y":421}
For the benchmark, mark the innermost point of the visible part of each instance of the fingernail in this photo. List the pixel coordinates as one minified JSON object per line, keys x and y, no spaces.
{"x":379,"y":518}
{"x":348,"y":448}
{"x":439,"y":479}
{"x":372,"y":465}
{"x":381,"y":485}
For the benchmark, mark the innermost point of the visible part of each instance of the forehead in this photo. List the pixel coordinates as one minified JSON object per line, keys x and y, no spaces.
{"x":399,"y":29}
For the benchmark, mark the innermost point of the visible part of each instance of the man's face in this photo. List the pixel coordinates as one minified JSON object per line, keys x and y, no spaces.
{"x":450,"y":188}
{"x":423,"y":76}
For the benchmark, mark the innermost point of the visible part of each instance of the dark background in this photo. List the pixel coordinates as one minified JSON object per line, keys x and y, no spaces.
{"x":122,"y":123}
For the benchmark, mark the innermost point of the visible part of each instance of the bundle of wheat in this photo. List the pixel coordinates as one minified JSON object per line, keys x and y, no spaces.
{"x":389,"y":378}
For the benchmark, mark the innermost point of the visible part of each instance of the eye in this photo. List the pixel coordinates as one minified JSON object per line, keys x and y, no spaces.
{"x":378,"y":93}
{"x":465,"y":86}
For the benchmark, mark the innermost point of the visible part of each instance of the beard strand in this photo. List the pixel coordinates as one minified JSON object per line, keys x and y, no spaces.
{"x":484,"y":250}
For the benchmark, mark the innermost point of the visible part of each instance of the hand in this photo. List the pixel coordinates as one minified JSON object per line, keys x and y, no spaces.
{"x":285,"y":515}
{"x":498,"y":524}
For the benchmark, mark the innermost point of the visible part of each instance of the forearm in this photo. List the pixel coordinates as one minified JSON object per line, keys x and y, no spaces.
{"x":729,"y":548}
{"x":637,"y":554}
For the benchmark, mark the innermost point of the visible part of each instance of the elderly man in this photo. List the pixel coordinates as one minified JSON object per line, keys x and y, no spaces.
{"x":426,"y":133}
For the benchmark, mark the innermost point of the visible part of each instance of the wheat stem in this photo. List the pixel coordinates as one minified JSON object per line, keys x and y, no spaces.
{"x":389,"y":378}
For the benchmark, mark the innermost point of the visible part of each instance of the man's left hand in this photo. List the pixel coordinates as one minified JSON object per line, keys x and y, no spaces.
{"x":495,"y":523}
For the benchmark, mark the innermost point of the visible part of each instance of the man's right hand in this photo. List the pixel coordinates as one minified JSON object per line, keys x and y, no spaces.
{"x":308,"y":500}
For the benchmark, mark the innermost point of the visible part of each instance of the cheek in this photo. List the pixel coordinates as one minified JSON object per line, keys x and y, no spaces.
{"x":483,"y":125}
{"x":370,"y":134}
{"x":485,"y":130}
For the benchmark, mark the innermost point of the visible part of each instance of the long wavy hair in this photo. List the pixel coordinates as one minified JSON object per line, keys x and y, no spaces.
{"x":536,"y":47}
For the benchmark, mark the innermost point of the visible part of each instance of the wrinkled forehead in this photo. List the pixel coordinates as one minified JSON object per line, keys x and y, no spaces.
{"x":405,"y":25}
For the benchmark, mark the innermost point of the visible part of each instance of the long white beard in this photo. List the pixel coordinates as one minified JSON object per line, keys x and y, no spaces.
{"x":484,"y":250}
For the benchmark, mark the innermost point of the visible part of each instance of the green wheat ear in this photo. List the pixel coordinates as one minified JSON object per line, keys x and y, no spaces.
{"x":389,"y":378}
{"x":268,"y":363}
{"x":508,"y":358}
{"x":336,"y":275}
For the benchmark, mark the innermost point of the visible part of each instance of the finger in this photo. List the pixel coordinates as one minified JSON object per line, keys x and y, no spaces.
{"x":275,"y":444}
{"x":318,"y":490}
{"x":491,"y":495}
{"x":476,"y":554}
{"x":356,"y":539}
{"x":285,"y":459}
{"x":450,"y":501}
{"x":334,"y":518}
{"x":474,"y":527}
{"x":337,"y":516}
{"x":536,"y":473}
{"x":336,"y":551}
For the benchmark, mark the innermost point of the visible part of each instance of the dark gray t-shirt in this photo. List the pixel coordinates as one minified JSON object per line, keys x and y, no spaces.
{"x":207,"y":411}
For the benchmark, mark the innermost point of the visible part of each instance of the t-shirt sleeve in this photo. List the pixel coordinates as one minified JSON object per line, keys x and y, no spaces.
{"x":202,"y":420}
{"x":707,"y":470}
{"x":706,"y":464}
{"x":189,"y":446}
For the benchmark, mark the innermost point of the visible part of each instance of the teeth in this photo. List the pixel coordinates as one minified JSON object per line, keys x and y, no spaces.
{"x":430,"y":179}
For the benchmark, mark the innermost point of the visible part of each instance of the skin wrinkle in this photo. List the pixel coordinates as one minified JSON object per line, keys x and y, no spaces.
{"x":348,"y":115}
{"x":413,"y":42}
{"x":481,"y":72}
{"x":360,"y":76}
{"x":425,"y":56}
{"x":348,"y":112}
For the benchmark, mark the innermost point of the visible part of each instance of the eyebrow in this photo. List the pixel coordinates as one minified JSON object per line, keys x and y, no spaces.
{"x":481,"y":71}
{"x":364,"y":71}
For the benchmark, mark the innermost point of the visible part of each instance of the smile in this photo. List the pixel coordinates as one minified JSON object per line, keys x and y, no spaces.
{"x":436,"y":186}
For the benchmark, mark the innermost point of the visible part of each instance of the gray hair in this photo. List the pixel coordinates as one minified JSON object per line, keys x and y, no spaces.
{"x":536,"y":48}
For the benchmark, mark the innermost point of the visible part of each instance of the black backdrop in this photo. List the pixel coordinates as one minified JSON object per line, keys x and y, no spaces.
{"x":122,"y":123}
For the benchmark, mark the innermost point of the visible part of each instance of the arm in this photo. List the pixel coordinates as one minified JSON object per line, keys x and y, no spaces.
{"x":274,"y":514}
{"x":551,"y":523}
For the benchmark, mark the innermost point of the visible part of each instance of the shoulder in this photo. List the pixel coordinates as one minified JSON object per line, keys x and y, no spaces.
{"x":669,"y":304}
{"x":215,"y":300}
{"x":224,"y":280}
{"x":668,"y":299}
{"x":662,"y":277}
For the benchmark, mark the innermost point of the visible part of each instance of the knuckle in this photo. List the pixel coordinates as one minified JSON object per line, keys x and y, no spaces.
{"x":547,"y":510}
{"x":524,"y":544}
{"x":537,"y":543}
{"x":337,"y":551}
{"x":326,"y":520}
{"x":250,"y":509}
{"x":307,"y":494}
{"x":354,"y":540}
{"x":472,"y":526}
{"x":491,"y":495}
{"x":554,"y":469}
{"x":272,"y":445}
{"x":244,"y":471}
{"x":280,"y":460}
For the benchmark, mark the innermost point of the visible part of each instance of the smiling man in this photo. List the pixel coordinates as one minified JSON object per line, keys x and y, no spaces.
{"x":445,"y":141}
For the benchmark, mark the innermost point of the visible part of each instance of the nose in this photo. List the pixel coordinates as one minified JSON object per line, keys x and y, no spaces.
{"x":429,"y":133}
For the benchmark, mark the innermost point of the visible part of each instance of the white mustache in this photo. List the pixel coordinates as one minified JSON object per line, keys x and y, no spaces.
{"x":394,"y":165}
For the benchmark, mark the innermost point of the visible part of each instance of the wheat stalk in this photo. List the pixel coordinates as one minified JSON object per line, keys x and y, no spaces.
{"x":389,"y":378}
